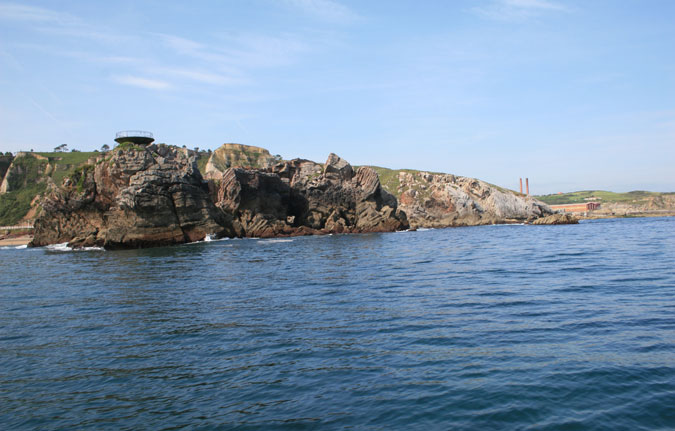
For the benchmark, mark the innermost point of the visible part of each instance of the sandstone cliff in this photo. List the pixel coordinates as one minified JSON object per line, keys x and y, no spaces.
{"x":237,"y":155}
{"x":134,"y":197}
{"x":155,"y":195}
{"x":301,"y":197}
{"x":445,"y":200}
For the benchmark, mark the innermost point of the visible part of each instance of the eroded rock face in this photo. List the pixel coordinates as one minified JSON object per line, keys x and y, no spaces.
{"x":135,"y":197}
{"x":237,"y":155}
{"x":154,"y":195}
{"x":444,"y":200}
{"x":559,"y":218}
{"x":300,"y":197}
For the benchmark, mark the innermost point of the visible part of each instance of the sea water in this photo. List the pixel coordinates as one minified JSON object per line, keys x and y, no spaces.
{"x":493,"y":327}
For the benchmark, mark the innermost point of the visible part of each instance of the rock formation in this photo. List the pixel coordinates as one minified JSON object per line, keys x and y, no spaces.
{"x":237,"y":155}
{"x":148,"y":196}
{"x":445,"y":200}
{"x":134,"y":197}
{"x":560,"y":218}
{"x":300,"y":197}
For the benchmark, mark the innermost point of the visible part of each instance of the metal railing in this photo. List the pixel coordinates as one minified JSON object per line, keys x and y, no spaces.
{"x":134,"y":134}
{"x":21,"y":226}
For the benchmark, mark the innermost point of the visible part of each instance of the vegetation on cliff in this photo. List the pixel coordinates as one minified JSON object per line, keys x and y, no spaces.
{"x":29,"y":175}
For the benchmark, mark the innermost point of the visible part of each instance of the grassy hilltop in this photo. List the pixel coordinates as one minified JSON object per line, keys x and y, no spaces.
{"x":634,"y":197}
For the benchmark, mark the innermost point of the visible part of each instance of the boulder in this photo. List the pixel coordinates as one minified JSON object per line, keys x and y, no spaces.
{"x":559,"y":218}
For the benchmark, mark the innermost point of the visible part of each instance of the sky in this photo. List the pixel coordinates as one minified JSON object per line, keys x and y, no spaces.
{"x":573,"y":95}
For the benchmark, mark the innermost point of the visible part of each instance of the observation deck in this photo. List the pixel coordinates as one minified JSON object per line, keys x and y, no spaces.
{"x":136,"y":136}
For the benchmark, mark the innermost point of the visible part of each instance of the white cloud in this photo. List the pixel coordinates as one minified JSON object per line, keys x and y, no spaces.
{"x":169,"y":60}
{"x":235,"y":54}
{"x":137,"y":81}
{"x":55,"y":23}
{"x":199,"y":76}
{"x":514,"y":10}
{"x":18,"y":12}
{"x":534,"y":4}
{"x":328,"y":10}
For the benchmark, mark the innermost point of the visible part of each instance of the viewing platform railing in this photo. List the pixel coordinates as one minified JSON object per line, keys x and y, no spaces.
{"x":134,"y":134}
{"x":21,"y":226}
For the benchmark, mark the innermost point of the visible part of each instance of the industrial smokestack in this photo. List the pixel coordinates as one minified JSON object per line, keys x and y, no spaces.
{"x":521,"y":186}
{"x":527,"y":186}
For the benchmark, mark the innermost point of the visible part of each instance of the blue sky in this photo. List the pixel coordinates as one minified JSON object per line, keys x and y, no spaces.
{"x":572,"y":94}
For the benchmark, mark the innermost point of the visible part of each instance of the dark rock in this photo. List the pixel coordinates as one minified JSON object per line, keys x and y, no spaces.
{"x":559,"y":218}
{"x":298,"y":197}
{"x":134,"y":198}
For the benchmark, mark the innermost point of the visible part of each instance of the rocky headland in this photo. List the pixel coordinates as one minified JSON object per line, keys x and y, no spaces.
{"x":133,"y":197}
{"x":434,"y":200}
{"x":140,"y":196}
{"x":300,"y":196}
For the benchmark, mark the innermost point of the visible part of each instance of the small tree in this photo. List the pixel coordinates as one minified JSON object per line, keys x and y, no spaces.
{"x":61,"y":148}
{"x":105,"y":147}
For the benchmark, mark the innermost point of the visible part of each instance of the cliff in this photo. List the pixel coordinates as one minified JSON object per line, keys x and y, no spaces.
{"x":446,"y":200}
{"x":155,"y":195}
{"x":301,"y":197}
{"x":132,"y":197}
{"x":28,"y":176}
{"x":136,"y":196}
{"x":237,"y":155}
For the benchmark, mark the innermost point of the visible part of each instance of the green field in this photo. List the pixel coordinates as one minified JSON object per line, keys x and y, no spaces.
{"x":636,"y":196}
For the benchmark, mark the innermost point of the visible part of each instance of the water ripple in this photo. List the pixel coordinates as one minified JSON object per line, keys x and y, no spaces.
{"x":561,"y":327}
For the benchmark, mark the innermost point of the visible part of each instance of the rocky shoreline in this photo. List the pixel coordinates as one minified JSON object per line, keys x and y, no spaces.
{"x":142,"y":196}
{"x":155,"y":195}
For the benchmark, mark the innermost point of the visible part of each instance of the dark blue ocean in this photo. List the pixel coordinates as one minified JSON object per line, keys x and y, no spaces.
{"x":480,"y":328}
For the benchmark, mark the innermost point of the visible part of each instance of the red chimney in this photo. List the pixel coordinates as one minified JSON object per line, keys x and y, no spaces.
{"x":527,"y":186}
{"x":521,"y":186}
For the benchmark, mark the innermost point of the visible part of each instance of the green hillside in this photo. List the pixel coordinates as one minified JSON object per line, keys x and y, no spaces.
{"x":636,"y":196}
{"x":27,"y":178}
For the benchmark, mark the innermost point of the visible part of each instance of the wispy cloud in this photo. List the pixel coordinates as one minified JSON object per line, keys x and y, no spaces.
{"x":510,"y":10}
{"x":147,"y":83}
{"x":167,"y":60}
{"x":198,"y":75}
{"x":55,"y":23}
{"x":19,"y":12}
{"x":327,"y":10}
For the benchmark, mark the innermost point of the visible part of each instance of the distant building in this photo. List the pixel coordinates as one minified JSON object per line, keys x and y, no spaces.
{"x":136,"y":136}
{"x":576,"y":208}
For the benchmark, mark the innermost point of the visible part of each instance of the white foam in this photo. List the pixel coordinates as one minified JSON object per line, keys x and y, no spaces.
{"x":64,"y":247}
{"x":59,"y":247}
{"x":273,"y":241}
